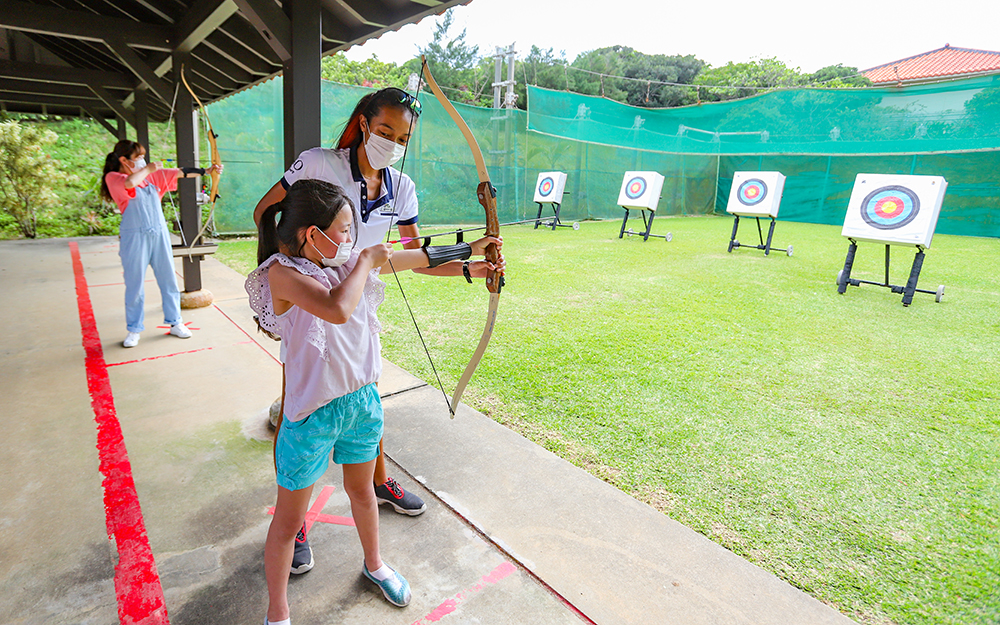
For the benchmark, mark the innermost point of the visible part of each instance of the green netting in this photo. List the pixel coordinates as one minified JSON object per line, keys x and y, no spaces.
{"x":820,"y":139}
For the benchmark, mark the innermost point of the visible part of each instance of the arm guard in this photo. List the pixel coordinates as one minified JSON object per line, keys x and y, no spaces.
{"x":440,"y":254}
{"x":193,"y":170}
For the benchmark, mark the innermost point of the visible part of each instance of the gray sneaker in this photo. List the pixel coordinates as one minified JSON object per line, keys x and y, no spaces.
{"x":302,"y":560}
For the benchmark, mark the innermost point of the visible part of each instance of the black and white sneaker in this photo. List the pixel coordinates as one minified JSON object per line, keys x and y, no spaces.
{"x":403,"y":502}
{"x":302,"y":560}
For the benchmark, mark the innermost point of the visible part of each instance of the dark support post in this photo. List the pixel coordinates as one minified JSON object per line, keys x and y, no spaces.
{"x":624,"y":221}
{"x":538,"y":219}
{"x":142,"y":122}
{"x":649,"y":224}
{"x":770,"y":235}
{"x":122,"y":129}
{"x":886,"y":283}
{"x":187,"y":187}
{"x":302,"y":79}
{"x":846,"y":273}
{"x":911,"y":284}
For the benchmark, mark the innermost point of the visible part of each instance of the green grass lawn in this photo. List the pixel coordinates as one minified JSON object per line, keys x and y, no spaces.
{"x":844,"y":442}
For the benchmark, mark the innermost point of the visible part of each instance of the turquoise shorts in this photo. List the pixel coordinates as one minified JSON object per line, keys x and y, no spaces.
{"x":350,"y":427}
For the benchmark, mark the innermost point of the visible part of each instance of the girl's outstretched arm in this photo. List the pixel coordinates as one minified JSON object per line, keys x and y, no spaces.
{"x":291,"y":288}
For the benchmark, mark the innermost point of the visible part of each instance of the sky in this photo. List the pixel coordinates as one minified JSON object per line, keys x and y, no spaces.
{"x":803,"y":34}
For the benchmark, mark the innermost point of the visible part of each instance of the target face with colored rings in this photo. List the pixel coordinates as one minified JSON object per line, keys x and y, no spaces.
{"x":887,"y":208}
{"x":752,"y":192}
{"x":546,"y":186}
{"x":635,"y":188}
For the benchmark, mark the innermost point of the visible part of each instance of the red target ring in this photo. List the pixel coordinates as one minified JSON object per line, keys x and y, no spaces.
{"x":635,"y":188}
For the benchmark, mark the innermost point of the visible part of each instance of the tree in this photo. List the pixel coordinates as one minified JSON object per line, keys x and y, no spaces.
{"x":26,"y":172}
{"x":838,"y":77}
{"x":368,"y":73}
{"x":456,"y":65}
{"x":742,"y":80}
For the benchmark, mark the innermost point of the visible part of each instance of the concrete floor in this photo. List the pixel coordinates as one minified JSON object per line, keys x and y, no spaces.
{"x":512,"y":533}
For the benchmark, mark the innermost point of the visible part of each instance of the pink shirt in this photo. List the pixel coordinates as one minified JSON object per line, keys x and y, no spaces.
{"x":162,"y":179}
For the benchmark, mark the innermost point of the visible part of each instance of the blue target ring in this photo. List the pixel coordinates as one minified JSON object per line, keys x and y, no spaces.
{"x":891,"y":207}
{"x":635,"y":188}
{"x":546,"y":186}
{"x":752,"y":192}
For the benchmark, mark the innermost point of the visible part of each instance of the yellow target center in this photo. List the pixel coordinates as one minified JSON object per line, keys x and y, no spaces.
{"x":890,"y":207}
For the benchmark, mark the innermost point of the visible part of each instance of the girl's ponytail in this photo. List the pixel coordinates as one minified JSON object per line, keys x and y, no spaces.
{"x":267,"y":233}
{"x":124,"y":148}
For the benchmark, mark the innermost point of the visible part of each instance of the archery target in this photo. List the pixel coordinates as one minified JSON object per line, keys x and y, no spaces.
{"x":550,"y":187}
{"x":640,"y":189}
{"x":899,"y":210}
{"x":756,"y":193}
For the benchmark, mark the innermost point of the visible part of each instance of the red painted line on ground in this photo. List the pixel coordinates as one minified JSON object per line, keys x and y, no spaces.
{"x":314,"y":515}
{"x":94,"y":286}
{"x":130,"y":362}
{"x":137,"y":583}
{"x":245,"y":332}
{"x":499,"y":547}
{"x":449,"y":606}
{"x":193,"y":351}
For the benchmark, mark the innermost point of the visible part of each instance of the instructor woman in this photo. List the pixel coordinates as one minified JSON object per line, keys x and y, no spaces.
{"x":374,"y":139}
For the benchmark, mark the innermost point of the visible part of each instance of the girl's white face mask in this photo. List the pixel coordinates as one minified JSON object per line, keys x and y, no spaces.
{"x":138,"y":164}
{"x":343,"y":252}
{"x":382,"y":152}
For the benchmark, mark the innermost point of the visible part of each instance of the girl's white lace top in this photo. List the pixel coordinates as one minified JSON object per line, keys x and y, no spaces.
{"x":323,"y":360}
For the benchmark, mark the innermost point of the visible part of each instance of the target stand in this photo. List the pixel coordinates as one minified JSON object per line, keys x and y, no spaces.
{"x":550,"y":189}
{"x":641,"y":191}
{"x":756,"y":194}
{"x":893,"y":210}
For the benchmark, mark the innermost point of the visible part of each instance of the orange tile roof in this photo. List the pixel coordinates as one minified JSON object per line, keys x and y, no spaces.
{"x":943,"y":62}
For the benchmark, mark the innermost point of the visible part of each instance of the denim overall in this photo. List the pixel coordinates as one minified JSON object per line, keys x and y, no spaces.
{"x":146,"y":242}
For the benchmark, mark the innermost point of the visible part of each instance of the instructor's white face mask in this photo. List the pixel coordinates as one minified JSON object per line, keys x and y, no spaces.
{"x":138,"y":164}
{"x":343,"y":252}
{"x":382,"y":152}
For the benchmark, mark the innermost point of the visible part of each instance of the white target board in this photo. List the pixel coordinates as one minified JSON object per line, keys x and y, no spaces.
{"x":640,"y":189}
{"x":898,"y":210}
{"x":550,"y":187}
{"x":756,"y":194}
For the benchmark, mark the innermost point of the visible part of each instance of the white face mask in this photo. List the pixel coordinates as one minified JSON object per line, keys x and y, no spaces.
{"x":382,"y":152}
{"x":138,"y":164}
{"x":343,"y":252}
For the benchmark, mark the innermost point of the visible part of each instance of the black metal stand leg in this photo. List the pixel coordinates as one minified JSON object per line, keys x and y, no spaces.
{"x":886,"y":283}
{"x":911,"y":284}
{"x":770,"y":233}
{"x":555,"y":222}
{"x":538,"y":218}
{"x":649,"y":224}
{"x":732,"y":238}
{"x":624,"y":221}
{"x":845,"y":275}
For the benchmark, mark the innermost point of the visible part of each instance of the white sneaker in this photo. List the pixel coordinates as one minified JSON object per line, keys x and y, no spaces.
{"x":180,"y":331}
{"x":131,"y":340}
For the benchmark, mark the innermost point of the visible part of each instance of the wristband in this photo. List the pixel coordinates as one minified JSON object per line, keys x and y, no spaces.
{"x":440,"y":254}
{"x":193,"y":170}
{"x":465,"y":272}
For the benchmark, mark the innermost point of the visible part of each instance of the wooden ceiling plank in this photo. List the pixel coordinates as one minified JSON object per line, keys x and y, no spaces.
{"x":272,"y":24}
{"x":46,"y":20}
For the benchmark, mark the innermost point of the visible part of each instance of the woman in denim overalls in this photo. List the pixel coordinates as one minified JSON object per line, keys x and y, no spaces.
{"x":137,"y":188}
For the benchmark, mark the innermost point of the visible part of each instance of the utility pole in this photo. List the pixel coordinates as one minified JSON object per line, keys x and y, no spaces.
{"x":507,"y":181}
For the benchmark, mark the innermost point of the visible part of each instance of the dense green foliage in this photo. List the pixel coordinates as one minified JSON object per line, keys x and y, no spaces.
{"x":843,"y":442}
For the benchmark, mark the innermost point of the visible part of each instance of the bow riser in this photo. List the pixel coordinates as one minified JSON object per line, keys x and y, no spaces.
{"x":487,"y":197}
